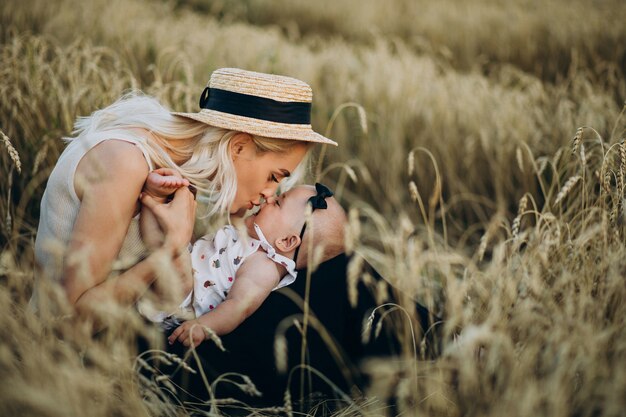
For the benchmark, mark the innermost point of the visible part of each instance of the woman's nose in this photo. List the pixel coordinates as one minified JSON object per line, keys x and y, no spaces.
{"x":269,"y":191}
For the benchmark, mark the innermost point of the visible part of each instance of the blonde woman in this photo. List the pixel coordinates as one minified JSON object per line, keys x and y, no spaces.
{"x":253,"y":131}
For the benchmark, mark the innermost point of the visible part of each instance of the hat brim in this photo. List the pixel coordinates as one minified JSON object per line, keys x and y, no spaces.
{"x":257,"y":127}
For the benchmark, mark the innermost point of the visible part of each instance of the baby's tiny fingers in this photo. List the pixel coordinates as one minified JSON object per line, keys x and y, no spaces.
{"x":183,"y":337}
{"x":171,"y":338}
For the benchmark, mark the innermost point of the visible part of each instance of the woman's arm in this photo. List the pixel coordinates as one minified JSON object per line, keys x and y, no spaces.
{"x":151,"y":233}
{"x":108,"y":186}
{"x":255,"y":280}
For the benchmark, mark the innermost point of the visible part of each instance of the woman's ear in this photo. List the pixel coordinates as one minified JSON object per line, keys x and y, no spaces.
{"x":238,"y":144}
{"x":288,"y":243}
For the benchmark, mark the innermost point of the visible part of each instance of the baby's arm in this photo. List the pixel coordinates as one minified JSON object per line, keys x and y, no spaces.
{"x":255,"y":280}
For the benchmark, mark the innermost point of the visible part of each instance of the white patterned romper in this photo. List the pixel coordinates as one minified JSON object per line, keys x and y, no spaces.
{"x":215,"y":262}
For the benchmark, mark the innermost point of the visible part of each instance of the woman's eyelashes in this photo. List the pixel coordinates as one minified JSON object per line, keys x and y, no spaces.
{"x":274,"y":178}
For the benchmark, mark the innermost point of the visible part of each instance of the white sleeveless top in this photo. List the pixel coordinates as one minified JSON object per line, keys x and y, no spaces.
{"x":60,"y":205}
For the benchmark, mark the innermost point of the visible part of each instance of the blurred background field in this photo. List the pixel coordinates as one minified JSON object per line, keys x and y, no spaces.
{"x":471,"y":187}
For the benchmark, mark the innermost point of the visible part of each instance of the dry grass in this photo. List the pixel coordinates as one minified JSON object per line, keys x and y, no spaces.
{"x":457,"y":163}
{"x":551,"y":37}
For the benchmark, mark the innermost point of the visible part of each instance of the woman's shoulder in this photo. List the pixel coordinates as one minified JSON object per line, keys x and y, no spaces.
{"x":112,"y":161}
{"x":115,"y":154}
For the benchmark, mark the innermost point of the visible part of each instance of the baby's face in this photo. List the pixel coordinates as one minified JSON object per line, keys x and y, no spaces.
{"x":282,"y":216}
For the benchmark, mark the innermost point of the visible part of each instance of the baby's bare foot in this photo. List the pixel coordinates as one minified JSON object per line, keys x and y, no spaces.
{"x":163,"y":182}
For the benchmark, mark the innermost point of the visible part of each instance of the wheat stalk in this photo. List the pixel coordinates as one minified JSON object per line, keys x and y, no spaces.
{"x":482,"y":246}
{"x":606,"y":182}
{"x":620,"y":183}
{"x":577,"y":140}
{"x":15,"y":157}
{"x":362,"y":118}
{"x":280,"y":352}
{"x":287,"y":403}
{"x":519,"y":158}
{"x":413,"y":191}
{"x":569,"y":184}
{"x":518,"y":219}
{"x":583,"y":156}
{"x":542,"y":166}
{"x":39,"y":157}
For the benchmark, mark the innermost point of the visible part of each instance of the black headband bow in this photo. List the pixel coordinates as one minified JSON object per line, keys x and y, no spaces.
{"x":318,"y":201}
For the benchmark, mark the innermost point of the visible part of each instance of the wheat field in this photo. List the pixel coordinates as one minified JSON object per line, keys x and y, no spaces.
{"x":482,"y":161}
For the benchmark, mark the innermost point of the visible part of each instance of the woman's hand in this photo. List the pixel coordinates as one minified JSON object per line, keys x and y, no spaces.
{"x":175,"y":218}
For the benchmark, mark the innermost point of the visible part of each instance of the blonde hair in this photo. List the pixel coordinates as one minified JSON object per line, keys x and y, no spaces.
{"x":205,"y":149}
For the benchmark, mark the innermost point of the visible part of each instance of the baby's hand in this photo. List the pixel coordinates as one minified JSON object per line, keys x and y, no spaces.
{"x":188,"y":333}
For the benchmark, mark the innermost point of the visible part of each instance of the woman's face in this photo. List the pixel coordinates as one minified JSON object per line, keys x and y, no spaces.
{"x":258,"y":174}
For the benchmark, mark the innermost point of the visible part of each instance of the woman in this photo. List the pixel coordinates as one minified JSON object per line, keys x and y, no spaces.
{"x":253,"y":131}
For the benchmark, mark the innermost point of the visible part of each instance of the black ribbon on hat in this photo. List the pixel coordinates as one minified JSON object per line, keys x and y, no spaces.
{"x":318,"y":201}
{"x":255,"y":107}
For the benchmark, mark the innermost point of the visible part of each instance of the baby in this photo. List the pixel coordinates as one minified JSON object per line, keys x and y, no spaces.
{"x":234,"y":274}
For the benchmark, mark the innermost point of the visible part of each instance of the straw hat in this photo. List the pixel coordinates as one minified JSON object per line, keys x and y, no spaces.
{"x":261,"y":104}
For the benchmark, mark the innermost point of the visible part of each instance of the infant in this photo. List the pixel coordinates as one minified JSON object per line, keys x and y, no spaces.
{"x":234,"y":272}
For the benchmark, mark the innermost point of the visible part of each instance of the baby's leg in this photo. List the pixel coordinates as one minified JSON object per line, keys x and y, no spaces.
{"x":163,"y":182}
